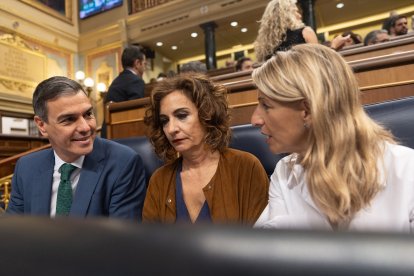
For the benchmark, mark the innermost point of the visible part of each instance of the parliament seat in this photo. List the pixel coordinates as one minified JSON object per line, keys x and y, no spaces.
{"x":248,"y":138}
{"x":395,"y":115}
{"x":143,"y":147}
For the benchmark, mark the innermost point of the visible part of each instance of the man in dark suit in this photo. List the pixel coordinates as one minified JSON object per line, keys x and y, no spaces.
{"x":105,"y":179}
{"x":129,"y":84}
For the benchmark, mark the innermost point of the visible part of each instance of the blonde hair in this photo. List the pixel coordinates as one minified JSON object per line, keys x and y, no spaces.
{"x":345,"y":144}
{"x":277,"y":18}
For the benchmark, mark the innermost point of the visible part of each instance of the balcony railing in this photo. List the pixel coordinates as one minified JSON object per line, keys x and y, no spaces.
{"x":140,"y":5}
{"x":5,"y":189}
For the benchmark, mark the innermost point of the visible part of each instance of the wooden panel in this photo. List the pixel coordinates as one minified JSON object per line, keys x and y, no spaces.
{"x":231,"y":77}
{"x":126,"y":115}
{"x":242,"y":97}
{"x":129,"y":129}
{"x":388,"y":69}
{"x":386,"y":75}
{"x":376,"y":94}
{"x":221,"y":71}
{"x":13,"y":144}
{"x":241,"y":115}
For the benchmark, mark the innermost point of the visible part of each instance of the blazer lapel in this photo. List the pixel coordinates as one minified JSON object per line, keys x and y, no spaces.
{"x":89,"y":177}
{"x":42,"y":185}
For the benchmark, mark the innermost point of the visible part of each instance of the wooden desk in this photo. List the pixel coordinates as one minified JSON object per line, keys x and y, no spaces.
{"x":400,"y":44}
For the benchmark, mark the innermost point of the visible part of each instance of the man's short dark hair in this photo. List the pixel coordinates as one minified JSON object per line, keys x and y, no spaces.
{"x":50,"y":89}
{"x":395,"y":18}
{"x":390,"y":22}
{"x":194,"y":67}
{"x":386,"y":25}
{"x":130,"y":55}
{"x":371,"y":37}
{"x":240,"y":62}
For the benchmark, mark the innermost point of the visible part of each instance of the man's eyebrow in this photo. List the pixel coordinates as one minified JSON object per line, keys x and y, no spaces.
{"x":89,"y":110}
{"x":69,"y":115}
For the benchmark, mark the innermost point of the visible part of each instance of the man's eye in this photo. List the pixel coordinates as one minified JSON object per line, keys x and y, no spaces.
{"x":68,"y":120}
{"x":89,"y":114}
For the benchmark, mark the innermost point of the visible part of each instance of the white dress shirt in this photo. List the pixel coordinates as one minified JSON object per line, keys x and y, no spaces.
{"x":392,"y":209}
{"x":74,"y":179}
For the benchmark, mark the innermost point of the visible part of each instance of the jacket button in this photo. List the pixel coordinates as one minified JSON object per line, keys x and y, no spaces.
{"x":169,"y":201}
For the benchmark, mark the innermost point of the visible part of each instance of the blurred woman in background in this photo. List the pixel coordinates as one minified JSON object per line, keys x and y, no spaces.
{"x":281,"y":27}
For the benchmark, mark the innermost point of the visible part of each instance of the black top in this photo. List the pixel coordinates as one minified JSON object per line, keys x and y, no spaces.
{"x":291,"y":38}
{"x":182,"y":211}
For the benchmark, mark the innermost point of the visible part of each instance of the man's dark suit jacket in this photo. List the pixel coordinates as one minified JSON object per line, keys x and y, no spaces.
{"x":111,"y":183}
{"x":127,"y":86}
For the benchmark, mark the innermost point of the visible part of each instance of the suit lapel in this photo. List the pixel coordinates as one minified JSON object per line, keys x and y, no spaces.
{"x":42,"y":185}
{"x":91,"y":171}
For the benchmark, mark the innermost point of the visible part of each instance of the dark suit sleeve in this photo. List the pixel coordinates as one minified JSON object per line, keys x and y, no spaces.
{"x":128,"y":194}
{"x":16,"y":204}
{"x":136,"y":89}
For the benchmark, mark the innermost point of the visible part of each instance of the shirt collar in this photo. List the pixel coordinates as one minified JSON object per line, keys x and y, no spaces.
{"x":59,"y":162}
{"x":131,"y":70}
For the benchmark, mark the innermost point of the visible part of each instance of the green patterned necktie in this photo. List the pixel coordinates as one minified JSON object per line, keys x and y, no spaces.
{"x":64,"y":196}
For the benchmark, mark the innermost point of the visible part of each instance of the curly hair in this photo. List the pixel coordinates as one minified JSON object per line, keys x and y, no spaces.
{"x":345,"y":144}
{"x":211,"y":102}
{"x":277,"y":18}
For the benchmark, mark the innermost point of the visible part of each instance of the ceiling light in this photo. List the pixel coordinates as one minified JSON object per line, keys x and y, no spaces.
{"x":159,"y":44}
{"x":101,"y":87}
{"x":80,"y":75}
{"x":340,"y":5}
{"x":243,"y":30}
{"x":194,"y":34}
{"x":234,"y":23}
{"x":89,"y":82}
{"x":174,"y":47}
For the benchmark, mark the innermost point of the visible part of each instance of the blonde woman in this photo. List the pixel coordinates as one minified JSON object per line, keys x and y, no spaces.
{"x":345,"y":170}
{"x":281,"y":27}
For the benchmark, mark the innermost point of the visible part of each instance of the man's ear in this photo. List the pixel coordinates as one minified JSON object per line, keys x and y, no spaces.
{"x":137,"y":63}
{"x":40,"y":125}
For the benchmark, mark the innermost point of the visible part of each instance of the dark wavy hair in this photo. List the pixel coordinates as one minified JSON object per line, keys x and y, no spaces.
{"x":211,"y":102}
